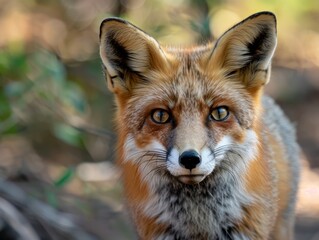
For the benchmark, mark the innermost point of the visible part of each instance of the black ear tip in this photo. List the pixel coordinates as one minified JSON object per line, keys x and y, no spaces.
{"x":115,"y":19}
{"x":265,"y":14}
{"x":111,"y":19}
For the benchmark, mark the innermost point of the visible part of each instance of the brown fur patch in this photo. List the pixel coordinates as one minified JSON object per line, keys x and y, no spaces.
{"x":137,"y":191}
{"x":148,"y":227}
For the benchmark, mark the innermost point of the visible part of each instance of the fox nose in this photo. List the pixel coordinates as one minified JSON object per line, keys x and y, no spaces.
{"x":189,"y":159}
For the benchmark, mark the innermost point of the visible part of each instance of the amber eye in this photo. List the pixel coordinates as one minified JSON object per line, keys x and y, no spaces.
{"x":160,"y":116}
{"x":220,"y":113}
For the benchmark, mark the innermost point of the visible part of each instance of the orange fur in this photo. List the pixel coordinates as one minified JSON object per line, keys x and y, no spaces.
{"x":284,"y":191}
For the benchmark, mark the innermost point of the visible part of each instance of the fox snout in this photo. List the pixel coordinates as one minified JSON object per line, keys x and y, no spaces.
{"x":190,"y":166}
{"x":189,"y":159}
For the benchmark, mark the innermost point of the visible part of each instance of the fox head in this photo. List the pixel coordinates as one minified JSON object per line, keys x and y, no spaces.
{"x":185,"y":114}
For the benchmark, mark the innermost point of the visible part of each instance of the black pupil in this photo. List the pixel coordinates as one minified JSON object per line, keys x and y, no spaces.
{"x":221,"y":113}
{"x":160,"y":115}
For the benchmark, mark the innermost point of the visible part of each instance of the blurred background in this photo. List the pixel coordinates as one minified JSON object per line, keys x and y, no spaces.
{"x":57,"y":173}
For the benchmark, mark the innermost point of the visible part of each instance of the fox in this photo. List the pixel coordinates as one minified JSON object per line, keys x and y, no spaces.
{"x":203,"y":152}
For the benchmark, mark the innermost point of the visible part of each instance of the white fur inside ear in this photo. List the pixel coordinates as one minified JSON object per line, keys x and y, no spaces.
{"x":126,"y":49}
{"x":247,"y":49}
{"x":104,"y":56}
{"x":138,"y":59}
{"x":261,"y":41}
{"x":122,"y":49}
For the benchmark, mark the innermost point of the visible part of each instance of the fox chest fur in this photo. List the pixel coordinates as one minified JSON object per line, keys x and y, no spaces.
{"x":210,"y":211}
{"x":204,"y":155}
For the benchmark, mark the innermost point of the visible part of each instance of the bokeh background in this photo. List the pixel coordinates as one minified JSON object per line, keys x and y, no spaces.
{"x":57,"y":173}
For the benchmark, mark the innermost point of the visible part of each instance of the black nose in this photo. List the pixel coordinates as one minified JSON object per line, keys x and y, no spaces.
{"x":189,"y":159}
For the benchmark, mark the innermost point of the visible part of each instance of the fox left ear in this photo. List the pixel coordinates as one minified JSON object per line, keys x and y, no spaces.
{"x":128,"y":54}
{"x":244,"y":52}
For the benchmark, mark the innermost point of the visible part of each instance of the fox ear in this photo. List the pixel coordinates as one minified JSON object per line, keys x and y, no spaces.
{"x":128,"y":54}
{"x":244,"y":52}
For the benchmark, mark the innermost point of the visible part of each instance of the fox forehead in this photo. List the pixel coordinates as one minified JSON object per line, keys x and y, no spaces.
{"x":189,"y":90}
{"x":185,"y":81}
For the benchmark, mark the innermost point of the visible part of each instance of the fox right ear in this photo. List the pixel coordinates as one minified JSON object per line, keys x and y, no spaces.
{"x":128,"y":54}
{"x":244,"y":52}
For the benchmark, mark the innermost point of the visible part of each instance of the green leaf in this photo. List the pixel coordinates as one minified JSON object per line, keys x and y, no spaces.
{"x":13,"y":61}
{"x":65,"y":177}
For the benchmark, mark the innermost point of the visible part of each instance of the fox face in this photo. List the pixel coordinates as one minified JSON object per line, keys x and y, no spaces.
{"x":186,"y":114}
{"x":187,"y":129}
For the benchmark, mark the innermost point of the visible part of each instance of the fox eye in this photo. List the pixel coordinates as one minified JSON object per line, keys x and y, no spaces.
{"x":220,"y":113}
{"x":160,"y":116}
